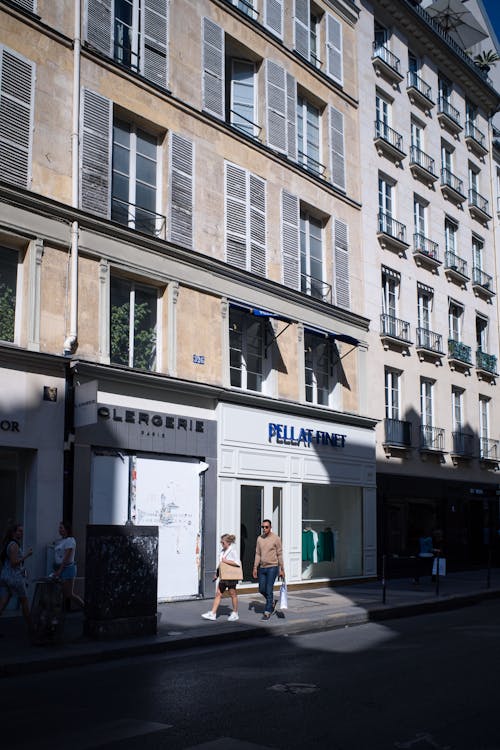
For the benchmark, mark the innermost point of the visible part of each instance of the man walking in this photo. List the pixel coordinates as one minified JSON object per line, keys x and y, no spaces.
{"x":268,"y":565}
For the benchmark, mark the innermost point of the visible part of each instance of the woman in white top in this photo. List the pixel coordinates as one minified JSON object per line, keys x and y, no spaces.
{"x":229,"y":555}
{"x":64,"y":563}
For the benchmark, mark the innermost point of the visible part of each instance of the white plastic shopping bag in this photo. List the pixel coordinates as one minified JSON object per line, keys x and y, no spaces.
{"x":283,"y":596}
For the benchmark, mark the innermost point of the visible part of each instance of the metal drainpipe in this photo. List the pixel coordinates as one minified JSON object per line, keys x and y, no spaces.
{"x":71,"y":341}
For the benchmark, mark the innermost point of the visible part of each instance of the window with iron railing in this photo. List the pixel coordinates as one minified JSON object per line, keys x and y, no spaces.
{"x":417,"y":156}
{"x":418,"y":83}
{"x":445,"y":108}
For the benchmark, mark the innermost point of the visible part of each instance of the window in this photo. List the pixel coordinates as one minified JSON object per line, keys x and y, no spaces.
{"x":390,"y":292}
{"x":392,"y":394}
{"x":457,"y":397}
{"x":246,"y":6}
{"x":311,"y":256}
{"x":413,"y":63}
{"x":425,"y":298}
{"x":383,"y":116}
{"x":8,"y":285}
{"x":484,"y":427}
{"x":420,"y":216}
{"x":470,"y":112}
{"x":308,"y":136}
{"x":381,"y":35}
{"x":450,"y":235}
{"x":455,"y":320}
{"x":482,"y":333}
{"x":318,"y":38}
{"x":273,"y":16}
{"x":477,"y":253}
{"x":318,"y":369}
{"x":242,"y":98}
{"x":385,"y":196}
{"x":133,"y":324}
{"x":417,"y":135}
{"x":245,"y":220}
{"x":444,"y":87}
{"x":132,"y":32}
{"x":446,"y":159}
{"x":246,"y":350}
{"x":427,"y":402}
{"x":473,"y":180}
{"x":17,"y":87}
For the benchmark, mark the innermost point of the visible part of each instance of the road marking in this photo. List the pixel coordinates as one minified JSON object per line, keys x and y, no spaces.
{"x":102,"y":733}
{"x":294,"y":687}
{"x":228,"y":743}
{"x":422,"y":737}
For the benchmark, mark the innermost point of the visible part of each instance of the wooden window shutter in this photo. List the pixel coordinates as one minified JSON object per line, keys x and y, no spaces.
{"x":17,"y":91}
{"x":290,"y":232}
{"x":334,"y":67}
{"x":341,"y":251}
{"x":291,"y":116}
{"x":276,"y":101}
{"x":213,"y":69}
{"x":95,"y":184}
{"x":154,"y":41}
{"x":99,"y":25}
{"x":301,"y":27}
{"x":257,"y":195}
{"x":273,"y":16}
{"x":181,"y":190}
{"x":337,"y":160}
{"x":236,"y":216}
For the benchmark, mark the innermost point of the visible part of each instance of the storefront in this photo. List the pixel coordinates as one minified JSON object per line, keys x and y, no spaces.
{"x":314,"y":479}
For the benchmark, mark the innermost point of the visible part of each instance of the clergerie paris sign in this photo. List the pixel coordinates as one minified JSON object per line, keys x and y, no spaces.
{"x":282,"y":434}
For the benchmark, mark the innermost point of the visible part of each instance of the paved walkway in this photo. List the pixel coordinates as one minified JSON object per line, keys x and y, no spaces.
{"x":181,"y":625}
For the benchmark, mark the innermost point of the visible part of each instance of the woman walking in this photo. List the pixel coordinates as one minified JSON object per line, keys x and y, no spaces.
{"x":64,"y":563}
{"x":12,"y":575}
{"x":229,"y":555}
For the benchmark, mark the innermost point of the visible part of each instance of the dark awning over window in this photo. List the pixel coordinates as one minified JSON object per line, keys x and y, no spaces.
{"x":259,"y":313}
{"x":344,"y":337}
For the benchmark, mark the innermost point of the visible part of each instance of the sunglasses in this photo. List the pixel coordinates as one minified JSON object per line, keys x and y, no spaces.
{"x":265,"y":527}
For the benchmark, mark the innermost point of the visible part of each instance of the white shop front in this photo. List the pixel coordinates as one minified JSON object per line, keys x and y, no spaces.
{"x":314,"y":478}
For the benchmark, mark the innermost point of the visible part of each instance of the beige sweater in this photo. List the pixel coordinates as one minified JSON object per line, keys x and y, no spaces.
{"x":268,"y":551}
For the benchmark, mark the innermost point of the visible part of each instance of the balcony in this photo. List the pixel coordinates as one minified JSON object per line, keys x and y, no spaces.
{"x":452,"y":187}
{"x":316,"y":288}
{"x":397,"y":435}
{"x":422,"y":166}
{"x":478,"y":207}
{"x":425,"y":252}
{"x":431,"y":439}
{"x":311,"y":165}
{"x":455,"y":268}
{"x":475,"y":139}
{"x":388,"y":142}
{"x":395,"y":333}
{"x":462,"y":446}
{"x":489,"y":451}
{"x":459,"y":356}
{"x":419,"y":91}
{"x":482,"y":283}
{"x":392,"y":234}
{"x":486,"y":366}
{"x":138,"y":218}
{"x":246,"y":8}
{"x":244,"y":125}
{"x":386,"y":64}
{"x":449,"y":116}
{"x":429,"y":345}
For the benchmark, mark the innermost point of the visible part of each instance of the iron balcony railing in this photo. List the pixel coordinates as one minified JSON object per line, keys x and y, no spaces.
{"x":316,"y":288}
{"x":452,"y":181}
{"x":454,"y":263}
{"x":462,"y":443}
{"x":426,"y":246}
{"x":136,"y":217}
{"x":388,"y":225}
{"x":382,"y":130}
{"x":457,"y":350}
{"x":397,"y":432}
{"x":478,"y":201}
{"x":311,"y":164}
{"x":242,"y":123}
{"x":246,"y":8}
{"x":472,"y":132}
{"x":422,"y":159}
{"x":123,"y":53}
{"x":480,"y":278}
{"x":431,"y":438}
{"x":416,"y":82}
{"x":385,"y":54}
{"x":486,"y":362}
{"x":488,"y":449}
{"x":427,"y":339}
{"x":498,"y":204}
{"x":394,"y":327}
{"x":445,"y":108}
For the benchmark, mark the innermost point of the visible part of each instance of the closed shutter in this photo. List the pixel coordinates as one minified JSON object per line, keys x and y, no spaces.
{"x":181,"y":190}
{"x":213,"y":69}
{"x":236,"y":216}
{"x":273,"y":16}
{"x":29,"y":5}
{"x":337,"y":160}
{"x":290,"y":231}
{"x":99,"y":25}
{"x":334,"y":48}
{"x":97,"y":112}
{"x":291,"y":116}
{"x":301,"y":27}
{"x":17,"y":90}
{"x":276,"y":107}
{"x":154,"y":41}
{"x":341,"y":250}
{"x":257,"y":193}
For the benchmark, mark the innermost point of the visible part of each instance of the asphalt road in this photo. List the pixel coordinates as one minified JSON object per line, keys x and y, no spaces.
{"x":418,"y":683}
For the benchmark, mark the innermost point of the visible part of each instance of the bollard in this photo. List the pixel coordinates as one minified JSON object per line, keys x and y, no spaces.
{"x":383,"y":579}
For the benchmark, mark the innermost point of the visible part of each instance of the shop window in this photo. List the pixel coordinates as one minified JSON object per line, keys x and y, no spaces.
{"x":247,"y":353}
{"x":8,"y":284}
{"x":133,"y":324}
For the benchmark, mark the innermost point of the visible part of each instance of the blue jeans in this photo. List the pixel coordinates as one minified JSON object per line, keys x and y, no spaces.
{"x":267,"y":577}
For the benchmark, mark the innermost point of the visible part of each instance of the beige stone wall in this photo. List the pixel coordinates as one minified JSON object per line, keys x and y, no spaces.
{"x":349,"y":378}
{"x":198,"y":332}
{"x":88,"y":308}
{"x":54,"y":300}
{"x":286,"y":361}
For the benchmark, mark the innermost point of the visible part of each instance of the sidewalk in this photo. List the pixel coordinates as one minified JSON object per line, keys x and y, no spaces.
{"x":181,"y":626}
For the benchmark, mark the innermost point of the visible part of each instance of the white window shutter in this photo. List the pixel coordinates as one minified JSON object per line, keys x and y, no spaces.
{"x":213,"y":69}
{"x":290,"y":239}
{"x":154,"y":41}
{"x":341,"y":250}
{"x":29,"y":5}
{"x":291,"y":116}
{"x":273,"y":16}
{"x":95,"y":184}
{"x":334,"y":65}
{"x":301,"y":27}
{"x":99,"y":25}
{"x":257,"y":194}
{"x":181,"y":190}
{"x":17,"y":91}
{"x":276,"y":106}
{"x":236,"y":216}
{"x":337,"y":148}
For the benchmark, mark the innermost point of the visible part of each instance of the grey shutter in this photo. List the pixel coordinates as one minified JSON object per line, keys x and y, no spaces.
{"x":291,"y":116}
{"x":301,"y":27}
{"x":334,"y":48}
{"x":181,"y":190}
{"x":154,"y":41}
{"x":29,"y":5}
{"x":257,"y":194}
{"x":99,"y":25}
{"x":273,"y":16}
{"x":276,"y":106}
{"x":341,"y":250}
{"x":95,"y":185}
{"x":290,"y":231}
{"x":236,"y":216}
{"x":17,"y":88}
{"x":337,"y":150}
{"x":213,"y":69}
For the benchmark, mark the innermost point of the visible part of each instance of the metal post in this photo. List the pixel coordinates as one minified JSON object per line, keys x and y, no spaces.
{"x":488,"y":572}
{"x":384,"y":587}
{"x":437,"y":559}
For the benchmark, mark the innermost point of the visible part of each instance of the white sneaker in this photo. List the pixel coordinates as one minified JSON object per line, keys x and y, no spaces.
{"x":209,"y":616}
{"x":233,"y":617}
